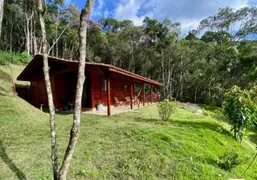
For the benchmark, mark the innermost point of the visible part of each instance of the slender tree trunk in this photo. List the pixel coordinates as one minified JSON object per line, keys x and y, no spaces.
{"x":181,"y":86}
{"x":54,"y":155}
{"x":71,"y":54}
{"x":163,"y":74}
{"x":171,"y":83}
{"x":27,"y":34}
{"x":1,"y":14}
{"x":40,"y":48}
{"x":34,"y":38}
{"x":56,"y":34}
{"x":132,"y":60}
{"x":74,"y":133}
{"x":168,"y":80}
{"x":64,"y":49}
{"x":209,"y":93}
{"x":52,"y":52}
{"x":11,"y":32}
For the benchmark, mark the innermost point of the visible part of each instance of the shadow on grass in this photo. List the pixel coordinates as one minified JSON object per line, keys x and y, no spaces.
{"x":204,"y":125}
{"x":59,"y":112}
{"x":152,"y":120}
{"x":9,"y":163}
{"x":63,"y":112}
{"x":4,"y":92}
{"x":253,"y":138}
{"x":211,"y":161}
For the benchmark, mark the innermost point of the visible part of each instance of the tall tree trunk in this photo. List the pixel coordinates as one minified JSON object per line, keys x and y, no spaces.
{"x":71,"y":54}
{"x":168,"y":81}
{"x":34,"y":39}
{"x":54,"y":155}
{"x":64,"y":49}
{"x":31,"y":37}
{"x":56,"y":34}
{"x":163,"y":74}
{"x":181,"y":86}
{"x":11,"y":32}
{"x":27,"y":34}
{"x":195,"y":93}
{"x":74,"y":133}
{"x":1,"y":14}
{"x":52,"y":52}
{"x":209,"y":93}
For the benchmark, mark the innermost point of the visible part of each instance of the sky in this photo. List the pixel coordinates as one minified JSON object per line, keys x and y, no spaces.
{"x":188,"y":12}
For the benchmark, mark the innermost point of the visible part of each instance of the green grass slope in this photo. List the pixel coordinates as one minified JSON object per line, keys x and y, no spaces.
{"x":127,"y":146}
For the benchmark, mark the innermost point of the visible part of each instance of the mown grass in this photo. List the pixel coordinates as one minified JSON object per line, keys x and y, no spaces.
{"x":126,"y":146}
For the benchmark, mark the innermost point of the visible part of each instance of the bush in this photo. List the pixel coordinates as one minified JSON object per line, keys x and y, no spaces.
{"x":240,"y":106}
{"x":166,"y":109}
{"x":14,"y":58}
{"x":228,"y":160}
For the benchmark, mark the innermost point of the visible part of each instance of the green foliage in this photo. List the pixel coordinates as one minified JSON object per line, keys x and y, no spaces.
{"x":14,"y":58}
{"x":193,"y":69}
{"x":240,"y":106}
{"x":228,"y":160}
{"x":166,"y":109}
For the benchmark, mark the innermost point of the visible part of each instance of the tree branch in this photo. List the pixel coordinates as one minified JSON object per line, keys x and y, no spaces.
{"x":58,"y":38}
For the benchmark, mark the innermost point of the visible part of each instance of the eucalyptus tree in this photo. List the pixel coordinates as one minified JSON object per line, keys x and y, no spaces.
{"x":241,"y":22}
{"x":1,"y":14}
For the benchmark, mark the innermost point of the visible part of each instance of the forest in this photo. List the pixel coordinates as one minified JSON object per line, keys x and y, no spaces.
{"x":219,"y":53}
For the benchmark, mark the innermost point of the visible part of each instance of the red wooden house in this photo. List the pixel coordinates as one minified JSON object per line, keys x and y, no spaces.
{"x":103,"y":83}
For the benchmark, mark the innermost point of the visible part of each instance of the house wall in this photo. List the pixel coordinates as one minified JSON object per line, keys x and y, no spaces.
{"x":117,"y":84}
{"x":64,"y":86}
{"x":38,"y":93}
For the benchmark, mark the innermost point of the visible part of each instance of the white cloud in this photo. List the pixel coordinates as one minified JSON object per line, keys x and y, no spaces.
{"x":129,"y":10}
{"x":98,"y":8}
{"x":188,"y":12}
{"x":106,"y":13}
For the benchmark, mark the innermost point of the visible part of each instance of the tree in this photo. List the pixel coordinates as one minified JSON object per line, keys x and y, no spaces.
{"x":54,"y":155}
{"x":240,"y":107}
{"x":1,"y":14}
{"x":74,"y":133}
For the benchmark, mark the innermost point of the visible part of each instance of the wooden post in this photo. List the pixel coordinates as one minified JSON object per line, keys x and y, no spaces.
{"x":108,"y":95}
{"x":143,"y":88}
{"x":131,"y":94}
{"x":151,"y":93}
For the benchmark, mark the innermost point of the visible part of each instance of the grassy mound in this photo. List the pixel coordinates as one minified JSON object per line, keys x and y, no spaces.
{"x":126,"y":146}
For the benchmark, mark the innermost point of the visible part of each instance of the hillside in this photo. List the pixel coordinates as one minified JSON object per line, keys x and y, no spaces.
{"x":126,"y":146}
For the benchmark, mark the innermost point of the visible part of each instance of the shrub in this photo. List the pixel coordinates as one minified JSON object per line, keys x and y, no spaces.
{"x":165,"y":109}
{"x":240,"y":106}
{"x":228,"y":160}
{"x":14,"y":58}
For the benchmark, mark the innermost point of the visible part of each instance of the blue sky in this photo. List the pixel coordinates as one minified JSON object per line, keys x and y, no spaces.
{"x":188,"y":12}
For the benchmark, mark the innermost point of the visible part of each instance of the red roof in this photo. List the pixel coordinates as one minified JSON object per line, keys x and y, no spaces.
{"x":37,"y":64}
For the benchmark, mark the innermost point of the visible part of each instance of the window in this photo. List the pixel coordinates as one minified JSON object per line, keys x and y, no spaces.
{"x":104,"y":85}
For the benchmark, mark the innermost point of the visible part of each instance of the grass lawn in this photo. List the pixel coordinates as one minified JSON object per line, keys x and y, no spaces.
{"x":125,"y":146}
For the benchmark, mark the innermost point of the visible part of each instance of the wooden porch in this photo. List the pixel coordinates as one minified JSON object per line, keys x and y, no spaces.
{"x":114,"y":110}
